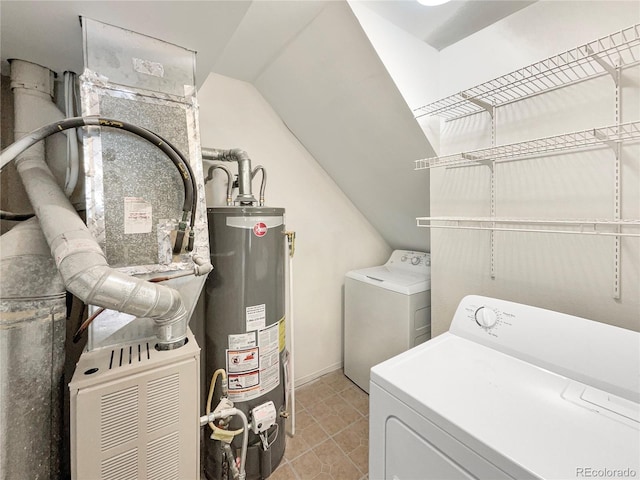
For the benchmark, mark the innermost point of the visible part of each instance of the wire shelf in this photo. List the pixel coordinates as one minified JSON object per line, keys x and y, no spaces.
{"x":596,"y":58}
{"x":568,"y":141}
{"x":615,"y":228}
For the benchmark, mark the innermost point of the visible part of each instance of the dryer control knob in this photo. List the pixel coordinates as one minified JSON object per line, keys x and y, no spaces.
{"x":486,"y":317}
{"x":415,"y":260}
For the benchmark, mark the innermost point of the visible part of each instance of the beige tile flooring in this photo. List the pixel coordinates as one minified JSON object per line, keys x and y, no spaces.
{"x":332,"y":432}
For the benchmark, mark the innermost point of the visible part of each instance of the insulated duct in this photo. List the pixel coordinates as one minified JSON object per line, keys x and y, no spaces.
{"x":32,"y":336}
{"x":33,"y":314}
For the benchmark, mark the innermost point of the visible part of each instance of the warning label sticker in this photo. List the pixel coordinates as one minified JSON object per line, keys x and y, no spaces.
{"x":244,"y":381}
{"x":256,"y":317}
{"x":242,"y":360}
{"x":268,"y":340}
{"x":254,"y":371}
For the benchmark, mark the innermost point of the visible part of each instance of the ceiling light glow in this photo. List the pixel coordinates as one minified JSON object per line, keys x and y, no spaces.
{"x":431,"y":3}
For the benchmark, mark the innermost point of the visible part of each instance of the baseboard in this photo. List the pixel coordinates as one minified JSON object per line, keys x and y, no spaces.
{"x":314,"y":376}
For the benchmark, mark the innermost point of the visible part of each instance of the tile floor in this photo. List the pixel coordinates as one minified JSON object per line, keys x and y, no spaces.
{"x":332,"y":432}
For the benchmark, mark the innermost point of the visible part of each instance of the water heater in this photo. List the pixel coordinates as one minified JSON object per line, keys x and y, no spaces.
{"x":245,"y":325}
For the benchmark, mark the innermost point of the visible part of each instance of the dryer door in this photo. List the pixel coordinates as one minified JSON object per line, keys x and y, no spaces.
{"x":404,"y":445}
{"x":409,"y":456}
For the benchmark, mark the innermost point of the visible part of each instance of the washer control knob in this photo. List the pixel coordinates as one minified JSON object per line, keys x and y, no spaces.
{"x":415,"y":260}
{"x":486,"y":317}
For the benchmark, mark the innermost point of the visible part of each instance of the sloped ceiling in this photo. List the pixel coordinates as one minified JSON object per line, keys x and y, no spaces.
{"x":344,"y":107}
{"x":310,"y":59}
{"x":446,"y":24}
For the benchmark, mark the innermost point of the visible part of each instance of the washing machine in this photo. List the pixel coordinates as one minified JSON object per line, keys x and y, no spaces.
{"x":509,"y":392}
{"x":386,"y":311}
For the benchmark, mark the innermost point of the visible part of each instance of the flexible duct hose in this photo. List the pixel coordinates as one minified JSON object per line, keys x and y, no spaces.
{"x":79,"y":259}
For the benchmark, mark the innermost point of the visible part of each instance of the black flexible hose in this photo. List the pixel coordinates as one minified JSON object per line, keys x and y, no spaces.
{"x":15,"y":217}
{"x":174,"y":155}
{"x":194,"y":185}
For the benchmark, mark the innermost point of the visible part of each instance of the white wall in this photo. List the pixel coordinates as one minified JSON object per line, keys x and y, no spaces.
{"x":416,"y":71}
{"x":568,"y":273}
{"x":330,"y":87}
{"x":332,"y":236}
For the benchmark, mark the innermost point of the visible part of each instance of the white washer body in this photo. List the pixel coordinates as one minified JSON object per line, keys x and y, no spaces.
{"x":510,"y":392}
{"x":387,"y":311}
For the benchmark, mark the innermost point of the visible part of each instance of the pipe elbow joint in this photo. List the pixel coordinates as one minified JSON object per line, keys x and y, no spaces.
{"x":102,"y":286}
{"x":172,"y":332}
{"x":201,"y":266}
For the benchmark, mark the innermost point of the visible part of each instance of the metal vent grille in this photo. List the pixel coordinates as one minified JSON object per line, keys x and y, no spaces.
{"x":163,"y":458}
{"x":129,"y":355}
{"x":163,"y":402}
{"x":118,"y":418}
{"x":121,"y":467}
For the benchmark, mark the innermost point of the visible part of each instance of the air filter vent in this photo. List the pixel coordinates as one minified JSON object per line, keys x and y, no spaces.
{"x":164,"y":402}
{"x":121,"y":467}
{"x":118,"y":418}
{"x":163,"y":458}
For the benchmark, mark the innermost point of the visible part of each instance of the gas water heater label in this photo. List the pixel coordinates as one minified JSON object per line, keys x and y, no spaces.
{"x":246,"y":383}
{"x":242,"y":340}
{"x":256,"y":317}
{"x":268,"y":341}
{"x":137,"y":215}
{"x":252,"y":372}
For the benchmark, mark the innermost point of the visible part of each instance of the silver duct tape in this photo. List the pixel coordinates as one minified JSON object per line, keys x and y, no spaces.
{"x":165,"y":243}
{"x":201,"y":245}
{"x":93,"y":171}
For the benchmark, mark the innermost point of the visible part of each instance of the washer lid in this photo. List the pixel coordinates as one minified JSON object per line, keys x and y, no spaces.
{"x":394,"y":279}
{"x":526,"y":420}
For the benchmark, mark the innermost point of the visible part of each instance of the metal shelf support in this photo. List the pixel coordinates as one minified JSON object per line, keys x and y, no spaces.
{"x":480,"y":103}
{"x":611,"y":70}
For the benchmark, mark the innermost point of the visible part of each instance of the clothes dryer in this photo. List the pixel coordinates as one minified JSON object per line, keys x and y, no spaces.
{"x":510,"y":392}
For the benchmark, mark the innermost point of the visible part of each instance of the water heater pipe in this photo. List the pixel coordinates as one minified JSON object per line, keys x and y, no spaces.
{"x":230,"y":412}
{"x":263,"y":183}
{"x":78,"y":256}
{"x":245,"y":197}
{"x":291,"y":246}
{"x":229,"y":179}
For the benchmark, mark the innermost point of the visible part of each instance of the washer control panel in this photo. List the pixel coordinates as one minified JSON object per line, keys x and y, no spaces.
{"x":409,"y":260}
